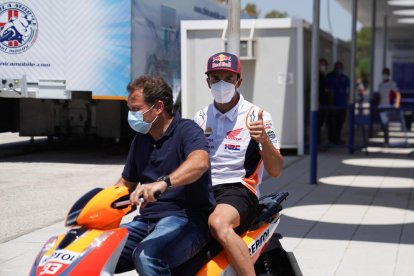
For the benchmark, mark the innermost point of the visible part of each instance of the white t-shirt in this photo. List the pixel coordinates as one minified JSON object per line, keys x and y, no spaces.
{"x":384,"y":90}
{"x":234,"y":156}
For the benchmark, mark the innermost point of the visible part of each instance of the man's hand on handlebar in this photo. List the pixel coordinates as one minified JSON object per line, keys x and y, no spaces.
{"x":147,"y":193}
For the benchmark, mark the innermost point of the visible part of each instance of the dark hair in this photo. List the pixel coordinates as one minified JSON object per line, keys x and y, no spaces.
{"x":323,"y":60}
{"x":386,"y":70}
{"x":154,"y":89}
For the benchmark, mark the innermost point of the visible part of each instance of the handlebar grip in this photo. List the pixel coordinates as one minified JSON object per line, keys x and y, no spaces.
{"x":157,"y":194}
{"x":121,"y":204}
{"x":124,"y":203}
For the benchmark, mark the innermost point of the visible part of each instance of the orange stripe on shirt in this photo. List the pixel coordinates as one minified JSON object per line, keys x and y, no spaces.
{"x":252,"y":181}
{"x":247,"y":117}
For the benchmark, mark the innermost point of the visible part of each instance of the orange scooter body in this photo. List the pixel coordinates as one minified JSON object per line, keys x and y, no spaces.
{"x":256,"y":240}
{"x":94,"y":242}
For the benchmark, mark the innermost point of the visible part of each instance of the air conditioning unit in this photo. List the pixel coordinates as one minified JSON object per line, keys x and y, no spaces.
{"x":247,"y":48}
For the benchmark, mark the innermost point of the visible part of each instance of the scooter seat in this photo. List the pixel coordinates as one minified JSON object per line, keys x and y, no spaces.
{"x":269,"y":205}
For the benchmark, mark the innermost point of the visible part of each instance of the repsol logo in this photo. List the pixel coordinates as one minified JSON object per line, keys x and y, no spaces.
{"x":259,"y":242}
{"x":62,"y":256}
{"x":232,"y":147}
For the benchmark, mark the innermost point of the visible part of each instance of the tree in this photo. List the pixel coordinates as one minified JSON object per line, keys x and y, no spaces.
{"x":363,"y":58}
{"x":251,"y":10}
{"x":276,"y":14}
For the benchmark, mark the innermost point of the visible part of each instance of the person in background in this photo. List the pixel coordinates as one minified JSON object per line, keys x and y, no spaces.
{"x":338,"y":87}
{"x":168,"y":155}
{"x":323,"y":97}
{"x":242,"y":143}
{"x":360,"y":89}
{"x":389,"y":98}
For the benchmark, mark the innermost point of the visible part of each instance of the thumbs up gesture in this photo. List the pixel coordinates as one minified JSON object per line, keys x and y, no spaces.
{"x":257,"y":129}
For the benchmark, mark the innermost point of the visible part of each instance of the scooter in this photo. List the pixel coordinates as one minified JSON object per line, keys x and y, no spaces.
{"x":94,"y":242}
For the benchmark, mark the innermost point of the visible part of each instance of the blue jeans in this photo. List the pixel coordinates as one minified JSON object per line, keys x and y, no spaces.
{"x":156,"y":245}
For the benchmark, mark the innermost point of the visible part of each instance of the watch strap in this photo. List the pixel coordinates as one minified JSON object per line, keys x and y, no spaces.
{"x":167,"y":180}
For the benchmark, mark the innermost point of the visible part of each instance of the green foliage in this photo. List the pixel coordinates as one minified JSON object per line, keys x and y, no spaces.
{"x":364,"y":38}
{"x":363,"y":58}
{"x":276,"y":14}
{"x":251,"y":10}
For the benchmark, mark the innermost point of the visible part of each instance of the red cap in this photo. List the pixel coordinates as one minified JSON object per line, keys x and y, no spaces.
{"x":223,"y":61}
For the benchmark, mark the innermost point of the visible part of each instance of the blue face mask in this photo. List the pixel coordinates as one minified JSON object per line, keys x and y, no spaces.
{"x":137,"y":123}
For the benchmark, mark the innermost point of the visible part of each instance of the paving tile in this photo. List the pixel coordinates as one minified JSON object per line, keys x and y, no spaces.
{"x":404,"y":263}
{"x":319,"y":257}
{"x":366,"y":258}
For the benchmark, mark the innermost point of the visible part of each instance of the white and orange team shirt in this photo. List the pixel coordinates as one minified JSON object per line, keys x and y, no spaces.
{"x":234,"y":156}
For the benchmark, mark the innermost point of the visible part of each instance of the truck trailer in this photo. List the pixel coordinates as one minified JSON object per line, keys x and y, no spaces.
{"x":65,"y":65}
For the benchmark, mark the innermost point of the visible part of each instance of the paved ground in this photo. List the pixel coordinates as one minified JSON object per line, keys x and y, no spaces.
{"x":358,"y":219}
{"x":39,"y":184}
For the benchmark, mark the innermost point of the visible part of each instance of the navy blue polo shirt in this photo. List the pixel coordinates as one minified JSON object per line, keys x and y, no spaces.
{"x":339,"y":84}
{"x":149,"y":159}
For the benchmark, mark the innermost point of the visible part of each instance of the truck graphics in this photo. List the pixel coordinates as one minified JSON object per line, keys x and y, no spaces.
{"x":18,"y":28}
{"x":85,"y":53}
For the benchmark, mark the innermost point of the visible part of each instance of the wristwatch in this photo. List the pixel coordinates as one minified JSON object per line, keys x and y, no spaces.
{"x":167,"y":180}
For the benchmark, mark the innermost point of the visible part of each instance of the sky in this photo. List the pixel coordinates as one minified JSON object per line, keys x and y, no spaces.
{"x":340,"y":18}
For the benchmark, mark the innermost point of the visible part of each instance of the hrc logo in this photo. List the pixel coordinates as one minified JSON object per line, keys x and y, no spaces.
{"x":232,"y":147}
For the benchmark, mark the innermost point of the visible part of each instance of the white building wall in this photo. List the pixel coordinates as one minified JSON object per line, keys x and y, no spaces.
{"x":400,"y":48}
{"x":276,"y":79}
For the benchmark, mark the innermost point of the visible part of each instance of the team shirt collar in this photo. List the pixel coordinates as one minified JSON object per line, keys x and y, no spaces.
{"x":232,"y":113}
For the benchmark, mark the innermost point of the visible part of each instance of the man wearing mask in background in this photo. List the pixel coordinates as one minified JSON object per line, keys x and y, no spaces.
{"x":242,"y":142}
{"x":390,"y":97}
{"x":338,"y":86}
{"x":168,"y":155}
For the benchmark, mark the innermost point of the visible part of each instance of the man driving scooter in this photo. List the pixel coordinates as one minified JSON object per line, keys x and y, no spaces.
{"x":168,"y":155}
{"x":242,"y":142}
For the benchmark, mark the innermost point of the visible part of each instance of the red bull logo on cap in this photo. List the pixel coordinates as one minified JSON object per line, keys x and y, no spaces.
{"x":221,"y":61}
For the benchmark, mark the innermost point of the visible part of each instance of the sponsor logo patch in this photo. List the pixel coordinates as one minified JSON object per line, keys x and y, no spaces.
{"x":18,"y":28}
{"x":252,"y":116}
{"x":202,"y":114}
{"x":268,"y":124}
{"x":221,"y":61}
{"x":61,"y":256}
{"x":208,"y":131}
{"x":232,"y":147}
{"x":232,"y":134}
{"x":259,"y":242}
{"x":271,"y":135}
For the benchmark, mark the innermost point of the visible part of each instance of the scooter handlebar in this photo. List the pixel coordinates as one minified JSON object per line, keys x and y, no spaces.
{"x":123,"y":203}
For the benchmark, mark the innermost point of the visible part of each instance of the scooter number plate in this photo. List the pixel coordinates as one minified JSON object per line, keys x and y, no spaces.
{"x":50,"y":268}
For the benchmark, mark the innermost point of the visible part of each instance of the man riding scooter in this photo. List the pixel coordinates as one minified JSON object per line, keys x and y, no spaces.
{"x":168,"y":155}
